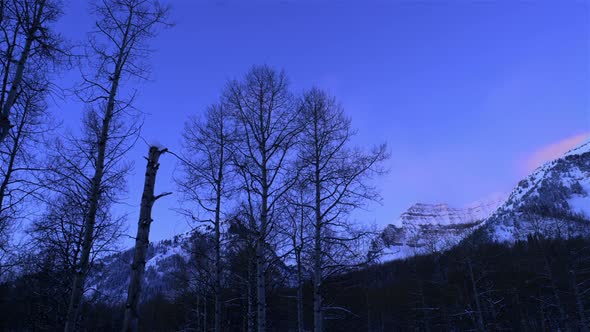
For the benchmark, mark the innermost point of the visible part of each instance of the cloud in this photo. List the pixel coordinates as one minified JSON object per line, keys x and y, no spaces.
{"x":551,"y":151}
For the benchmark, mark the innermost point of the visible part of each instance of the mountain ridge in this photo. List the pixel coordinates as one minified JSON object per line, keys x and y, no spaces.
{"x":552,"y":200}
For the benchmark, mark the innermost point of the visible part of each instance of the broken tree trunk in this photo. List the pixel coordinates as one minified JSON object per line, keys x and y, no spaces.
{"x":130,"y":322}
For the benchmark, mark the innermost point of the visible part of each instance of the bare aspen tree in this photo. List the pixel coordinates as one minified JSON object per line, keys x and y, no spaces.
{"x":21,"y":165}
{"x":207,"y":180}
{"x":339,"y":180}
{"x":265,"y":115}
{"x":117,"y":48}
{"x":241,"y":260}
{"x":59,"y":233}
{"x":27,"y":41}
{"x":29,"y":50}
{"x":298,"y":217}
{"x":148,"y":198}
{"x":199,"y":276}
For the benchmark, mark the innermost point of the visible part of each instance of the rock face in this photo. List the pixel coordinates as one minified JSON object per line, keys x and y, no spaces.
{"x":426,"y":228}
{"x":553,"y":201}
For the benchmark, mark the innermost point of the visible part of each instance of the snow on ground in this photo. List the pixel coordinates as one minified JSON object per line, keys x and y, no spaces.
{"x":580,"y":203}
{"x":396,"y":252}
{"x":168,"y":252}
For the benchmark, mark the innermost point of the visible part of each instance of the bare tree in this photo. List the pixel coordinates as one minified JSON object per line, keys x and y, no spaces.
{"x":117,"y":48}
{"x":21,"y":164}
{"x":339,"y":180}
{"x":207,"y":179}
{"x":298,"y":221}
{"x":27,"y":42}
{"x":28,"y":50}
{"x":199,"y":276}
{"x":56,"y":240}
{"x":241,"y":259}
{"x":266,"y":129}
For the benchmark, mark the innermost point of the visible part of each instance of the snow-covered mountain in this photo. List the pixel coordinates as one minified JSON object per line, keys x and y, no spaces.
{"x":553,"y":201}
{"x":175,"y":266}
{"x":166,"y":266}
{"x":425,"y":228}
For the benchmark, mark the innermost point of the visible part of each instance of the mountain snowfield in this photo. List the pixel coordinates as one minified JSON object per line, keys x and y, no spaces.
{"x":166,"y":261}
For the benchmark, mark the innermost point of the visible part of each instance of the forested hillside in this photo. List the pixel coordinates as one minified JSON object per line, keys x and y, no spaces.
{"x":534,"y":285}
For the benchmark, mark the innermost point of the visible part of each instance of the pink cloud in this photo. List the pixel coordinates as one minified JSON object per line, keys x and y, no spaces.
{"x":551,"y":151}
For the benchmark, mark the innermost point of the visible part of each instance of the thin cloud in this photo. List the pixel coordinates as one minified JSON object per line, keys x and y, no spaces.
{"x":551,"y":151}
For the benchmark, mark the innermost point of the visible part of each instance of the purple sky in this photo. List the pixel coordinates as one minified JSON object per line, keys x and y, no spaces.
{"x":469,"y":95}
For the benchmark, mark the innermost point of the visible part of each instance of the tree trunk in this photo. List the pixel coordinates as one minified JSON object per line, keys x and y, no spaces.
{"x":89,"y":222}
{"x":204,"y":313}
{"x":18,"y":76}
{"x":579,"y":304}
{"x":250,"y":314}
{"x":368,"y":303}
{"x":199,"y":315}
{"x":317,"y":282}
{"x":260,"y":286}
{"x":260,"y":254}
{"x":217,"y":285}
{"x":563,"y":316}
{"x":14,"y":149}
{"x":131,"y":320}
{"x":94,"y":194}
{"x":299,"y":292}
{"x":480,"y":322}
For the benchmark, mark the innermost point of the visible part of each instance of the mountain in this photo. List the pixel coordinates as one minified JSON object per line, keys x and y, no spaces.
{"x":552,"y":201}
{"x":425,"y":228}
{"x":167,"y":262}
{"x":179,"y":264}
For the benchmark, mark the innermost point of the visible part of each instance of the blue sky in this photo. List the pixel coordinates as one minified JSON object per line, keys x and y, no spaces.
{"x":469,"y":95}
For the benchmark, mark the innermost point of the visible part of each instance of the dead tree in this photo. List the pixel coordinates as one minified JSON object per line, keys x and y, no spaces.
{"x":338,"y":178}
{"x":117,"y":47}
{"x":265,"y":116}
{"x":131,"y":320}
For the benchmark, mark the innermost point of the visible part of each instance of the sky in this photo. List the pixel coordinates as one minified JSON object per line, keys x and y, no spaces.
{"x":470,"y":96}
